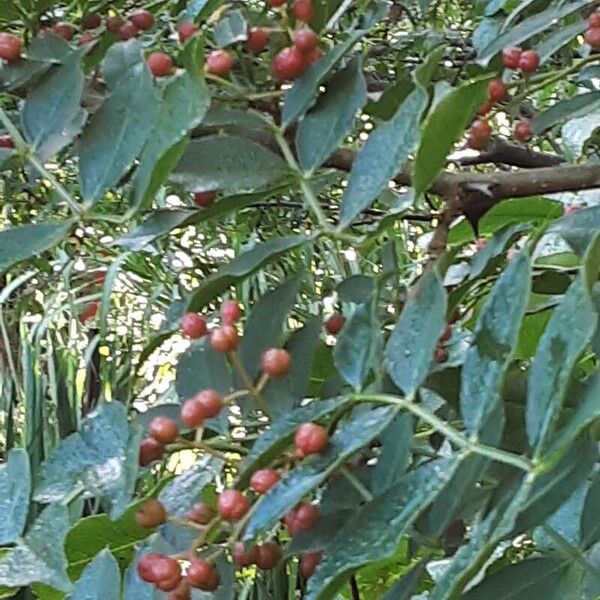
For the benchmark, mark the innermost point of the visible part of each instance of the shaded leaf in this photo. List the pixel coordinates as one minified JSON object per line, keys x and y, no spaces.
{"x":230,"y":29}
{"x":15,"y":487}
{"x":101,"y":580}
{"x":590,"y":524}
{"x":405,"y":588}
{"x":564,"y":110}
{"x":579,"y":228}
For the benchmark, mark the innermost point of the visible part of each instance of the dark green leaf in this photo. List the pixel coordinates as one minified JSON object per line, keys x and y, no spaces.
{"x":352,"y":435}
{"x":444,"y":125}
{"x":51,"y":115}
{"x":405,"y":588}
{"x":184,"y":104}
{"x":229,"y":163}
{"x":230,"y":29}
{"x":117,"y":132}
{"x":222,"y":116}
{"x":99,"y":460}
{"x":386,"y":150}
{"x":272,"y":443}
{"x":302,"y":347}
{"x":560,"y":38}
{"x":579,"y":228}
{"x":590,"y":523}
{"x":528,"y":28}
{"x":304,"y":91}
{"x":39,"y":557}
{"x":101,"y":580}
{"x":198,"y":9}
{"x":20,"y":243}
{"x":242,"y":266}
{"x":410,"y":348}
{"x":565,"y":110}
{"x":568,"y":332}
{"x":15,"y":487}
{"x":495,"y":336}
{"x":325,"y":126}
{"x":385,"y":107}
{"x":533,"y":578}
{"x":358,"y":345}
{"x":319,"y":536}
{"x":357,"y":288}
{"x":376,"y":529}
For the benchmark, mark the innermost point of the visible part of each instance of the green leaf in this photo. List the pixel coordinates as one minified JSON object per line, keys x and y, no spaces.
{"x":39,"y":557}
{"x":394,"y":456}
{"x":560,"y":38}
{"x":198,"y":9}
{"x":405,"y":588}
{"x":302,"y":94}
{"x":265,"y":324}
{"x":201,"y":367}
{"x":443,"y":127}
{"x":568,"y":332}
{"x":243,"y":266}
{"x":302,"y":346}
{"x":410,"y":348}
{"x":320,"y":535}
{"x":221,"y":117}
{"x":570,"y":108}
{"x":118,"y":130}
{"x":134,"y":587}
{"x":230,"y":29}
{"x":528,"y":28}
{"x":184,"y":104}
{"x":590,"y":524}
{"x":228,"y":163}
{"x":357,"y":346}
{"x":376,"y":529}
{"x":495,"y":336}
{"x":99,"y":460}
{"x":15,"y":487}
{"x":533,"y":578}
{"x":578,"y":228}
{"x":325,"y":126}
{"x":101,"y":580}
{"x":386,"y":150}
{"x":274,"y":441}
{"x":51,"y":115}
{"x":20,"y":243}
{"x":352,"y":435}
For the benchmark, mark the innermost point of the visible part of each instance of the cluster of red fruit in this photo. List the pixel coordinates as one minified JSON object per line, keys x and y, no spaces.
{"x":441,"y":354}
{"x":592,"y":33}
{"x":526,"y":61}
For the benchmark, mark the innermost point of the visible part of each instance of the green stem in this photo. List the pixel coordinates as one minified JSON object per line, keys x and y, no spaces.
{"x":449,"y":432}
{"x":356,"y":484}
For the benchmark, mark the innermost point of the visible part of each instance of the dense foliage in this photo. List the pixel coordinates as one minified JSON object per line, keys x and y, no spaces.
{"x":299,"y":299}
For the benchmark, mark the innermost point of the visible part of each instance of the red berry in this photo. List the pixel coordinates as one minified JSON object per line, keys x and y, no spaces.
{"x":204,"y":199}
{"x":225,"y":339}
{"x":258,"y":39}
{"x":201,"y":513}
{"x":242,"y":557}
{"x":303,"y":10}
{"x":440,"y":355}
{"x":151,"y":514}
{"x":496,"y":90}
{"x":219,"y":62}
{"x":86,"y":38}
{"x":309,"y":562}
{"x":232,"y":505}
{"x":210,"y":402}
{"x":276,"y":362}
{"x":484,"y":109}
{"x":194,"y":326}
{"x":523,"y":130}
{"x":230,"y":312}
{"x":64,"y":30}
{"x":146,"y":564}
{"x":166,"y":569}
{"x":594,"y":20}
{"x":334,"y":324}
{"x":314,"y":55}
{"x":305,"y":40}
{"x":182,"y":592}
{"x":481,"y":130}
{"x":306,"y":516}
{"x":6,"y":141}
{"x":263,"y":480}
{"x":289,"y":64}
{"x":128,"y":31}
{"x":91,"y":21}
{"x":151,"y":450}
{"x":113,"y":24}
{"x":169,"y":585}
{"x":311,"y":438}
{"x":192,"y":414}
{"x":142,"y":19}
{"x":474,"y":143}
{"x":511,"y":57}
{"x":160,"y":64}
{"x":269,"y":554}
{"x":163,"y":429}
{"x":275,"y":3}
{"x":202,"y":575}
{"x":446,"y":334}
{"x":186,"y":29}
{"x":592,"y":37}
{"x":89,"y":312}
{"x":529,"y":61}
{"x":100,"y":277}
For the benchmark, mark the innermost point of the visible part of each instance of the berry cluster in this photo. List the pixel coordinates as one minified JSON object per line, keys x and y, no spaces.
{"x":592,"y":33}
